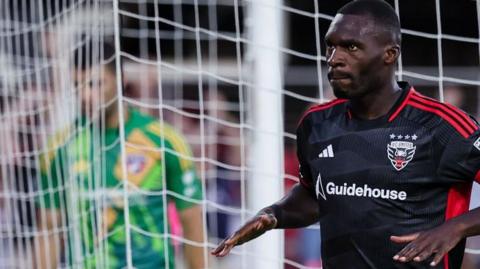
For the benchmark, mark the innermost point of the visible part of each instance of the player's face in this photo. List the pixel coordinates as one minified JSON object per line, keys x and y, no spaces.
{"x":354,"y":55}
{"x":97,"y":89}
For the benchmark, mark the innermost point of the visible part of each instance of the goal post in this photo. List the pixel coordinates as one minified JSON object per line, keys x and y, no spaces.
{"x":265,"y":184}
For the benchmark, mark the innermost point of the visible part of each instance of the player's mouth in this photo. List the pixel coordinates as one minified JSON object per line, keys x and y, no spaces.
{"x":340,"y":80}
{"x":338,"y":77}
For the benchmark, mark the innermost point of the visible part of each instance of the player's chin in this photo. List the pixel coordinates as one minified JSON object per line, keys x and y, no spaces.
{"x":342,"y":92}
{"x":342,"y":88}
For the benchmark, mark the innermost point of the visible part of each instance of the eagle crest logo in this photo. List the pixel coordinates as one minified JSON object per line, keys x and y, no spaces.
{"x":400,"y":153}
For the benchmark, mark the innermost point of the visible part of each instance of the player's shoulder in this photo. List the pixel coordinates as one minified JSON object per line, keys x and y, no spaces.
{"x":56,"y":143}
{"x":139,"y":119}
{"x":441,"y":116}
{"x":147,"y":124}
{"x":324,"y":110}
{"x":163,"y":131}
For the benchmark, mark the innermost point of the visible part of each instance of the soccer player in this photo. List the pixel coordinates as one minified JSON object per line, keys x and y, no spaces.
{"x":386,"y":170}
{"x":96,"y":237}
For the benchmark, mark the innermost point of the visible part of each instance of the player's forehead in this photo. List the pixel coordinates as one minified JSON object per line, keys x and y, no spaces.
{"x":355,"y":27}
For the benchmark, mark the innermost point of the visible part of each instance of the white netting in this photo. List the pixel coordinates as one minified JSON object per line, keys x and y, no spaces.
{"x":192,"y":64}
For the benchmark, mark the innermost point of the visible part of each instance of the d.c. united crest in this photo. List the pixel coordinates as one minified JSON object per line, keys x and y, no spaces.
{"x":400,"y":153}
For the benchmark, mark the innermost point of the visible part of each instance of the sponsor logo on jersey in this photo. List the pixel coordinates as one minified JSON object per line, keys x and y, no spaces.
{"x":320,"y":192}
{"x":399,"y":152}
{"x":364,"y":191}
{"x":477,"y":143}
{"x":135,"y":163}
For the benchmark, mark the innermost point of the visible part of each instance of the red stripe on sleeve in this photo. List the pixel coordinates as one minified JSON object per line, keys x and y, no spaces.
{"x":464,"y":116}
{"x":444,"y":116}
{"x":461,"y":117}
{"x":322,"y":107}
{"x":452,"y":109}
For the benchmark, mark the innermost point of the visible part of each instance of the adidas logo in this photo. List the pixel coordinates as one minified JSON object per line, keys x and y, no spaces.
{"x":327,"y":152}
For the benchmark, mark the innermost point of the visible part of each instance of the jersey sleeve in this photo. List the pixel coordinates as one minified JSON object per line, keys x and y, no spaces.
{"x":51,"y":171}
{"x":460,"y":159}
{"x":181,"y":176}
{"x":305,"y":176}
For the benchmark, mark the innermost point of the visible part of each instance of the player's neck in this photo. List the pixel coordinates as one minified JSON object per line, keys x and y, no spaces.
{"x":113,"y":116}
{"x":377,"y":103}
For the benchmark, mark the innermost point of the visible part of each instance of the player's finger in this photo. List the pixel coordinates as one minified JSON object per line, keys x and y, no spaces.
{"x":404,"y":238}
{"x":423,"y":255}
{"x":437,"y":258}
{"x":225,"y":250}
{"x":409,"y":252}
{"x":218,"y":249}
{"x":401,"y":254}
{"x":223,"y":245}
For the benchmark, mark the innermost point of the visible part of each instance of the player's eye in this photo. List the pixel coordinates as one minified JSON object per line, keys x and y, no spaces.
{"x":352,"y":47}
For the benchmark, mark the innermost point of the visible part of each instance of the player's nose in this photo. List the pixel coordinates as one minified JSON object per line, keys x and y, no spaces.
{"x":335,"y":58}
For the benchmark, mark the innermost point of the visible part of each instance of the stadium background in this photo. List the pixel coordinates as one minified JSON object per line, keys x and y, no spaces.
{"x":440,"y":57}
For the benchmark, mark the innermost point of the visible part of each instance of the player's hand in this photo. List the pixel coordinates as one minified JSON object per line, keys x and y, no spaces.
{"x":250,"y":230}
{"x":422,"y":245}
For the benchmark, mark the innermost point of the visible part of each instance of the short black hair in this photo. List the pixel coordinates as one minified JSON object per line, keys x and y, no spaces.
{"x":93,"y":53}
{"x":380,"y":11}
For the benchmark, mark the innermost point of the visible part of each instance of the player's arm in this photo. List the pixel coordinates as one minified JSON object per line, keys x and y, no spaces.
{"x":49,"y":217}
{"x":182,"y":179}
{"x":297,"y":209}
{"x":460,"y":159}
{"x":283,"y":214}
{"x":49,"y":245}
{"x":438,"y":241}
{"x":192,"y":225}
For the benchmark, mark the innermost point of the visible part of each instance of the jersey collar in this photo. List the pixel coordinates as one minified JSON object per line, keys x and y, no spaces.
{"x":399,"y":105}
{"x":407,"y":92}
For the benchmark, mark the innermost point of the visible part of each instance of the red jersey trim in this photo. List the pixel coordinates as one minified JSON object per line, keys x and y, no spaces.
{"x":321,"y":107}
{"x":441,"y":110}
{"x":402,"y":105}
{"x":441,"y":114}
{"x":458,"y":201}
{"x":305,"y":183}
{"x":455,"y":112}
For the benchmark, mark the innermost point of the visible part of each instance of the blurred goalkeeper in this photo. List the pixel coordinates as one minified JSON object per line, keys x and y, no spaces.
{"x":83,"y":181}
{"x":387,"y":171}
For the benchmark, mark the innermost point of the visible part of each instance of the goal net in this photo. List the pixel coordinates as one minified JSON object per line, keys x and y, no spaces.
{"x":231,"y":78}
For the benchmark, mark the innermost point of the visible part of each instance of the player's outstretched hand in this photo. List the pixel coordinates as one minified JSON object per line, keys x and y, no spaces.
{"x":422,"y":245}
{"x":255,"y":227}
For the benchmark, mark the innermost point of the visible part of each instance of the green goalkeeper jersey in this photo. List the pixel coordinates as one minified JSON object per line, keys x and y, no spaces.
{"x":83,"y":178}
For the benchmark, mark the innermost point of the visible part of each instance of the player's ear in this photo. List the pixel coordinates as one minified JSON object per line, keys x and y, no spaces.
{"x":391,"y":54}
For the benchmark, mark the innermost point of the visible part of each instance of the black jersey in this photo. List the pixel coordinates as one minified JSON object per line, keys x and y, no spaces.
{"x":407,"y":171}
